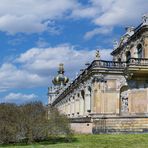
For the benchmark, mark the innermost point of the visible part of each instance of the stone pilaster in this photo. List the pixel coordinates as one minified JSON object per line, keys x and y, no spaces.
{"x":73,"y":106}
{"x":69,"y":107}
{"x":145,"y":48}
{"x":77,"y":105}
{"x":147,"y":100}
{"x":81,"y":105}
{"x":87,"y":101}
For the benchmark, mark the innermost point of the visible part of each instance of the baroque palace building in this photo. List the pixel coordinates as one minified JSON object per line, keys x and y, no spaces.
{"x":108,"y":96}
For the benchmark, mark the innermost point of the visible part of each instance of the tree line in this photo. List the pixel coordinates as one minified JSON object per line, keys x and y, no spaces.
{"x":31,"y":122}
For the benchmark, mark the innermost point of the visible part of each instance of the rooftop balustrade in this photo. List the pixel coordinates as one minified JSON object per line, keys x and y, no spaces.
{"x":106,"y":64}
{"x":137,"y":62}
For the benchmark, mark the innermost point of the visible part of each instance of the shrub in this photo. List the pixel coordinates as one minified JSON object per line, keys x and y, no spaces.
{"x":31,"y":122}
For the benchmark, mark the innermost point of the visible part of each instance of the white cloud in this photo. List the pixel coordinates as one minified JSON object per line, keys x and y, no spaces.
{"x":42,"y":60}
{"x":36,"y":16}
{"x":37,"y":66}
{"x":115,"y":12}
{"x":84,"y":12}
{"x":111,"y":13}
{"x":14,"y":77}
{"x":101,"y":30}
{"x":20,"y":97}
{"x":31,"y":16}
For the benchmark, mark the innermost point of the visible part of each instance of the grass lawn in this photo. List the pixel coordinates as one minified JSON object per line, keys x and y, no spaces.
{"x":97,"y":141}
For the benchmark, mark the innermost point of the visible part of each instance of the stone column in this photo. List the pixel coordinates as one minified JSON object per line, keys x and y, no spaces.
{"x":118,"y":103}
{"x":72,"y":107}
{"x":77,"y":104}
{"x":68,"y":107}
{"x":81,"y":105}
{"x":87,"y":101}
{"x":145,"y":45}
{"x":147,"y":100}
{"x":92,"y":101}
{"x":97,"y":98}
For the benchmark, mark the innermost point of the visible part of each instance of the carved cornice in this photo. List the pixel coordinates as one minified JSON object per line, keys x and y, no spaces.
{"x":138,"y":32}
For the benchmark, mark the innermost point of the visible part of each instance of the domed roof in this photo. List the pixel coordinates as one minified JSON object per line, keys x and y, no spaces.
{"x":60,"y":79}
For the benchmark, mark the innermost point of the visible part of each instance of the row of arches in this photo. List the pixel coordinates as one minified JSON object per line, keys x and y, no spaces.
{"x":78,"y":104}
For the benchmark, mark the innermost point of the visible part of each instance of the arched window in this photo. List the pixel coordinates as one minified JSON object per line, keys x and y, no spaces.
{"x":119,"y":59}
{"x":83,"y":94}
{"x":128,"y":55}
{"x":139,"y":51}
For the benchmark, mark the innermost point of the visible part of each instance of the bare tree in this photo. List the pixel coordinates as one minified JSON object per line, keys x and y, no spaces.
{"x":31,"y":122}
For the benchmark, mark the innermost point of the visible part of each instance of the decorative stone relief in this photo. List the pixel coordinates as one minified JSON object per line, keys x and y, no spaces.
{"x":145,"y":19}
{"x":121,"y":82}
{"x":129,"y":76}
{"x":124,"y":102}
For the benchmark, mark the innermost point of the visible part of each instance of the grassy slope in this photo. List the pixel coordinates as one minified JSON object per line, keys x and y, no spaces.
{"x":99,"y":141}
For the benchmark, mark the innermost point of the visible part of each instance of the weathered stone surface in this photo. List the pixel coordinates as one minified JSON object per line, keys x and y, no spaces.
{"x":120,"y":125}
{"x":112,"y":94}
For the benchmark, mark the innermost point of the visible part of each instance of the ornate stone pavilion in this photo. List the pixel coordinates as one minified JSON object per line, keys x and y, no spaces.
{"x":108,"y":96}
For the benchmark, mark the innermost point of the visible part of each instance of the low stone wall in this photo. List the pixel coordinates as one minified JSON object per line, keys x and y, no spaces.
{"x":82,"y":128}
{"x":112,"y":125}
{"x":120,"y":125}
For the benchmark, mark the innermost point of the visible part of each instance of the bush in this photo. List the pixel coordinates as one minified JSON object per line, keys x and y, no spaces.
{"x":9,"y":118}
{"x":31,"y":122}
{"x":59,"y":124}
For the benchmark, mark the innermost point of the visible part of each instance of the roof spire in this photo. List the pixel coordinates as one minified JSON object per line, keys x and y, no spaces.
{"x":97,"y":55}
{"x":60,"y":79}
{"x":61,"y":68}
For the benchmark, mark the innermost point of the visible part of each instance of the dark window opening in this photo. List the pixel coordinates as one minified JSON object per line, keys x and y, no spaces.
{"x":139,"y":51}
{"x":128,"y":55}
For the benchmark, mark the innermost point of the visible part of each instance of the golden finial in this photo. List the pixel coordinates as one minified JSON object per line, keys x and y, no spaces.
{"x":61,"y":68}
{"x":97,"y":55}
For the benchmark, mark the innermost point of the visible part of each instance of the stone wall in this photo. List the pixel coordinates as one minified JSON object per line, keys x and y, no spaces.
{"x":106,"y":97}
{"x":120,"y":125}
{"x":146,"y":47}
{"x":138,"y":101}
{"x":112,"y":125}
{"x":85,"y":128}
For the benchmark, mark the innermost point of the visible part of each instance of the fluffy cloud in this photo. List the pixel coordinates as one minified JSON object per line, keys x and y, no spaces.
{"x":114,"y":12}
{"x":13,"y":77}
{"x":117,"y":12}
{"x":37,"y":66}
{"x":36,"y":16}
{"x":41,"y":60}
{"x":111,"y":13}
{"x":19,"y":97}
{"x":31,"y":16}
{"x":48,"y":58}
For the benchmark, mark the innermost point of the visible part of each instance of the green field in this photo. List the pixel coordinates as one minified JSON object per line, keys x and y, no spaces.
{"x":96,"y":141}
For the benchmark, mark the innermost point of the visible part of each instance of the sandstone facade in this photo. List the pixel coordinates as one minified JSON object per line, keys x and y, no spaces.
{"x":109,"y":96}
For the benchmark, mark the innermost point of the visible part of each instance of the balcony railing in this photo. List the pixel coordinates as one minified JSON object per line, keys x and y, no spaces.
{"x":137,"y":62}
{"x":103,"y":64}
{"x":108,"y":64}
{"x":119,"y":65}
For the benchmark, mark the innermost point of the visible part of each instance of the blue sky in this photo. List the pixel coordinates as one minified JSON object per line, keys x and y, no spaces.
{"x":37,"y":35}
